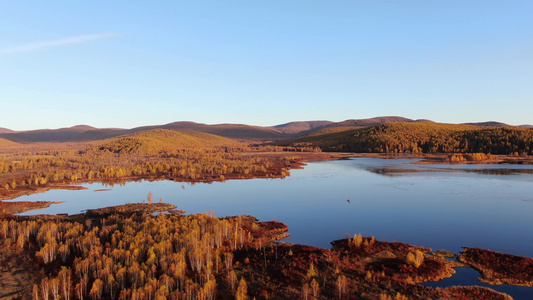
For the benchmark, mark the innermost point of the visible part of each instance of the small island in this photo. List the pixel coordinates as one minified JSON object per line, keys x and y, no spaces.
{"x":499,"y":268}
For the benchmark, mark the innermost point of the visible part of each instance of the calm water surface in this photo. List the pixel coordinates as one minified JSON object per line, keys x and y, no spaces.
{"x":437,"y":206}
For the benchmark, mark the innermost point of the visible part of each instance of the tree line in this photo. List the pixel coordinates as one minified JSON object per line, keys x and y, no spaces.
{"x":24,"y":170}
{"x":426,"y":138}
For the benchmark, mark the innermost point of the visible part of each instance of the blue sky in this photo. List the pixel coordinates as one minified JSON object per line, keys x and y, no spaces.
{"x":132,"y":63}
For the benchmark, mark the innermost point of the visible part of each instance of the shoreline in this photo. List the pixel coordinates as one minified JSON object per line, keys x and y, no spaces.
{"x":296,"y":163}
{"x":377,"y":257}
{"x":352,"y":266}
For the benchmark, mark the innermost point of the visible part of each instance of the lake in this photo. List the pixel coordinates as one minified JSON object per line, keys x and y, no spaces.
{"x":436,"y":206}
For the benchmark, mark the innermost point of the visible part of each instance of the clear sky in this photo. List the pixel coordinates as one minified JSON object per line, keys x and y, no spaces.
{"x":132,"y":63}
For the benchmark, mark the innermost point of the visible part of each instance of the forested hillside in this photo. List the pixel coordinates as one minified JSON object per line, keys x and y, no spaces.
{"x":425,"y":138}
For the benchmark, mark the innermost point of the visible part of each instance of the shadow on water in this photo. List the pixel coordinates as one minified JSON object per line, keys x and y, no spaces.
{"x":406,"y":167}
{"x":469,"y":276}
{"x":391,"y":171}
{"x":409,"y":167}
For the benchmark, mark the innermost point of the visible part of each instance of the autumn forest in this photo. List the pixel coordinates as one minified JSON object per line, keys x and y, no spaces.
{"x":154,"y":251}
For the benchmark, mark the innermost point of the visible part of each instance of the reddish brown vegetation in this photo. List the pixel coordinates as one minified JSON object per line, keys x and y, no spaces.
{"x":475,"y":292}
{"x":9,"y":207}
{"x":499,"y":268}
{"x":153,"y":155}
{"x":391,"y":259}
{"x":123,"y":252}
{"x":128,"y":209}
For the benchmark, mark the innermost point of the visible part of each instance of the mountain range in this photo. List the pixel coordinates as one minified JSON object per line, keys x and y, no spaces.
{"x":81,"y":133}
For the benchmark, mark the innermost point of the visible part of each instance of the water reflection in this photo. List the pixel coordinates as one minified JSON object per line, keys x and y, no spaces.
{"x":436,"y":206}
{"x":406,"y":167}
{"x":403,"y":172}
{"x":469,"y":276}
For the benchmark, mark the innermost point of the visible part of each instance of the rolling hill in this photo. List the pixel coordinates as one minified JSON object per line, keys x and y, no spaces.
{"x":156,"y":141}
{"x":372,"y":121}
{"x":87,"y":133}
{"x":47,"y":135}
{"x":423,"y":137}
{"x":5,"y":130}
{"x":324,"y":127}
{"x":302,"y":127}
{"x":237,"y":131}
{"x":84,"y":133}
{"x":488,"y":124}
{"x":328,"y":130}
{"x":7,"y":143}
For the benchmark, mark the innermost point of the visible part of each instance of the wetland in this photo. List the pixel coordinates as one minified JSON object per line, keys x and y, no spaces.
{"x":434,"y":206}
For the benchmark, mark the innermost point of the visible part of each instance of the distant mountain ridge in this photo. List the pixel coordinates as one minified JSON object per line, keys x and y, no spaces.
{"x":47,"y":135}
{"x":301,"y":126}
{"x":489,"y":124}
{"x":5,"y":130}
{"x":241,"y":131}
{"x":85,"y":133}
{"x":373,"y":121}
